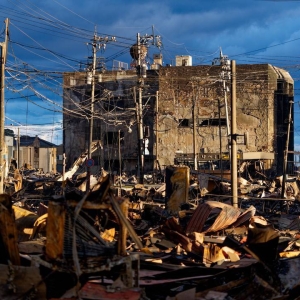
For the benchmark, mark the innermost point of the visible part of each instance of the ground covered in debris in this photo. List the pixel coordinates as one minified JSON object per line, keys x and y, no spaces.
{"x":176,"y":239}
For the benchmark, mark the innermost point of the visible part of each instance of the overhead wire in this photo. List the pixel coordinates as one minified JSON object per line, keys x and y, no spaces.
{"x":119,"y":54}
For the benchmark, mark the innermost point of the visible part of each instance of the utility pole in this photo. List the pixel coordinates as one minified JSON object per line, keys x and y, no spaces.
{"x":97,"y":43}
{"x":18,"y":149}
{"x":120,"y":161}
{"x":233,"y":137}
{"x":156,"y":127}
{"x":2,"y":99}
{"x":63,"y":174}
{"x":142,"y":41}
{"x":91,"y":120}
{"x":220,"y":140}
{"x":225,"y":75}
{"x":194,"y":134}
{"x":286,"y":151}
{"x":140,"y":114}
{"x":141,"y":136}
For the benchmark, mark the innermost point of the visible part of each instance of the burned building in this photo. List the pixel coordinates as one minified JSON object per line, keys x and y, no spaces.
{"x":194,"y":114}
{"x":179,"y":112}
{"x":115,"y":117}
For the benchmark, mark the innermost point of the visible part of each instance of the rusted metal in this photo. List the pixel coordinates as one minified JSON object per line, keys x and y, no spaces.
{"x":98,"y":234}
{"x":96,"y":291}
{"x":226,"y":215}
{"x":177,"y":185}
{"x":55,"y":231}
{"x":123,"y":230}
{"x":8,"y":232}
{"x":125,"y":222}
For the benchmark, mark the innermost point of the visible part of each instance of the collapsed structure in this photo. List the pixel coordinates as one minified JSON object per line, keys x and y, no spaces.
{"x":166,"y":242}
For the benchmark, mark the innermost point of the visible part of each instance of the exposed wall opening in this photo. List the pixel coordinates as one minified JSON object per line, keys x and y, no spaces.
{"x":184,"y":123}
{"x":212,"y":122}
{"x":112,"y":138}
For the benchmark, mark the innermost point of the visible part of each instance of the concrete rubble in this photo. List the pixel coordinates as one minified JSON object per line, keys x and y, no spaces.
{"x":176,"y":239}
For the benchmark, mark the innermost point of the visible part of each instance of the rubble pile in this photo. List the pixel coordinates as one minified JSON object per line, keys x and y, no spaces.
{"x":173,"y":240}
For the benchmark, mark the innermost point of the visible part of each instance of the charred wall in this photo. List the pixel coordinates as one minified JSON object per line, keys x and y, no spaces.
{"x":263,"y":94}
{"x":115,"y":103}
{"x":183,"y":90}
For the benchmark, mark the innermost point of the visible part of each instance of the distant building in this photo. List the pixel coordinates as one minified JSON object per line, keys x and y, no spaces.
{"x":59,"y":159}
{"x":32,"y":152}
{"x":174,"y":101}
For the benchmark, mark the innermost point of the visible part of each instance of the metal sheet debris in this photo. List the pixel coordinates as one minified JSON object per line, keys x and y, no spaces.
{"x":156,"y":241}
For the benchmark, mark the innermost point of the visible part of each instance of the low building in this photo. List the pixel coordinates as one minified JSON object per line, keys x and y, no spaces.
{"x":34,"y":152}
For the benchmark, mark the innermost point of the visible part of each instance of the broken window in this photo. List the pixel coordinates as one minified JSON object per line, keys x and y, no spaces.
{"x":212,"y":122}
{"x":97,"y":94}
{"x":184,"y":123}
{"x":96,"y":132}
{"x":114,"y":104}
{"x":112,"y":138}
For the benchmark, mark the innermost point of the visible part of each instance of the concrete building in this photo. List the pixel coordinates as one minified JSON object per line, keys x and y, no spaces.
{"x":263,"y":94}
{"x":115,"y":115}
{"x":184,"y":111}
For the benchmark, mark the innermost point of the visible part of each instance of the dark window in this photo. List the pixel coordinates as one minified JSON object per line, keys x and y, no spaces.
{"x":97,"y":93}
{"x":212,"y":122}
{"x":96,"y":132}
{"x":184,"y":122}
{"x":280,"y":86}
{"x":113,"y":104}
{"x":96,"y":159}
{"x":112,"y":138}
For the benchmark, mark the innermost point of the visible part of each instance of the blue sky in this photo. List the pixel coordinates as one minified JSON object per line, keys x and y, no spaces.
{"x":51,"y":37}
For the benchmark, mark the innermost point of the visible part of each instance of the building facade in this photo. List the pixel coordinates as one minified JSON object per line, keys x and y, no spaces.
{"x":179,"y":112}
{"x":32,"y":152}
{"x":263,"y":96}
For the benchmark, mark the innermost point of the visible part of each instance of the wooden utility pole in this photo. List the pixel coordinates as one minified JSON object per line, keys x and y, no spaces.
{"x":120,"y":161}
{"x":156,"y":126}
{"x":140,"y":115}
{"x":194,"y":134}
{"x":286,"y":151}
{"x":220,"y":140}
{"x":233,"y":136}
{"x":91,"y":120}
{"x":2,"y":99}
{"x":18,"y":149}
{"x":97,"y":43}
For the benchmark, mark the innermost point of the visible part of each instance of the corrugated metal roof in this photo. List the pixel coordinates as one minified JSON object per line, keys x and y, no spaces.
{"x":227,"y":215}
